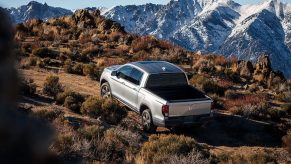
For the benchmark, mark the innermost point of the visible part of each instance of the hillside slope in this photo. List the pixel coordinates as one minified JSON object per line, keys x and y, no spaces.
{"x":219,"y":26}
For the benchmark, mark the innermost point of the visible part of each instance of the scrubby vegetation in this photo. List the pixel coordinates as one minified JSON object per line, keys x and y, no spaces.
{"x":163,"y":148}
{"x":107,"y":109}
{"x":95,"y":129}
{"x":52,"y":87}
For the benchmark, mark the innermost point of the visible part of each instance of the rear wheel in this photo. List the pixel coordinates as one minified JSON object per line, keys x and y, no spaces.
{"x":105,"y":90}
{"x":147,"y":121}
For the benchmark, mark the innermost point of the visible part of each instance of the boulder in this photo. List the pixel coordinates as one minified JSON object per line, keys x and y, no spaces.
{"x":275,"y":78}
{"x":246,"y":68}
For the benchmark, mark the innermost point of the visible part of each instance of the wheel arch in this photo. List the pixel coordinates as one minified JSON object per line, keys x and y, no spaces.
{"x":103,"y":81}
{"x":143,"y":107}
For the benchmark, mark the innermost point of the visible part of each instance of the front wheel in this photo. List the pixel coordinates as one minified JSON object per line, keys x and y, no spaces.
{"x":147,"y":122}
{"x":105,"y":90}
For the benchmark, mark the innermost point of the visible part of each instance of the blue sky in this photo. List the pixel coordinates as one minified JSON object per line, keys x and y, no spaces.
{"x":75,"y":4}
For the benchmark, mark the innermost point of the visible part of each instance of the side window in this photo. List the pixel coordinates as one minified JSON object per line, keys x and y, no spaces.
{"x":136,"y":76}
{"x":125,"y":72}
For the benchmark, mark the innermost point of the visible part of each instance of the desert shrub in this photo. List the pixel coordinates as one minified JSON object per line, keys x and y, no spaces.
{"x":63,"y":144}
{"x":27,"y":87}
{"x":112,"y":147}
{"x":45,"y":52}
{"x":51,"y":86}
{"x":68,"y":66}
{"x":92,"y":132}
{"x":91,"y":71}
{"x":48,"y":115}
{"x":256,"y":111}
{"x":29,"y":61}
{"x":117,"y":145}
{"x":231,"y":94}
{"x":211,"y":87}
{"x":70,"y":100}
{"x":92,"y":106}
{"x":194,"y":157}
{"x":159,"y":148}
{"x":248,"y":158}
{"x":113,"y":113}
{"x":109,"y":110}
{"x":287,"y":141}
{"x":91,"y":51}
{"x":77,"y":69}
{"x":276,"y":114}
{"x":143,"y":43}
{"x":198,"y":80}
{"x":245,"y":100}
{"x":286,"y":107}
{"x":114,"y":36}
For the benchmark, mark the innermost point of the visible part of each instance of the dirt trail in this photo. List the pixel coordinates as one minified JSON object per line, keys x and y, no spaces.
{"x":81,"y":84}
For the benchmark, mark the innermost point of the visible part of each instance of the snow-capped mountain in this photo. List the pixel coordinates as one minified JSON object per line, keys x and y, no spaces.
{"x":219,"y":26}
{"x":36,"y":10}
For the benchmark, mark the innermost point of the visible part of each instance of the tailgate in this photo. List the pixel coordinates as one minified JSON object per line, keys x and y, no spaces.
{"x":189,"y":108}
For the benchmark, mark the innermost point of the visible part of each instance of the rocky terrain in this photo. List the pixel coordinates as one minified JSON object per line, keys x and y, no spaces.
{"x":217,"y":26}
{"x":60,"y":61}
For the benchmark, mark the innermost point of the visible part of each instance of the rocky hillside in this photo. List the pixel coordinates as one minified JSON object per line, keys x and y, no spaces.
{"x":61,"y":60}
{"x":219,"y":26}
{"x":36,"y":10}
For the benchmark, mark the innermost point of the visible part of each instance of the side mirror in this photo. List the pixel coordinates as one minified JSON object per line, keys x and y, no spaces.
{"x":114,"y":73}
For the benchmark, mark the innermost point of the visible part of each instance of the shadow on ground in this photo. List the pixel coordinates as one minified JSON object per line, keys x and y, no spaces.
{"x":233,"y":131}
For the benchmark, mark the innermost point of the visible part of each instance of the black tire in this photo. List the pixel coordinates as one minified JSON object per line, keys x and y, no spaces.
{"x":147,"y":121}
{"x":105,"y":90}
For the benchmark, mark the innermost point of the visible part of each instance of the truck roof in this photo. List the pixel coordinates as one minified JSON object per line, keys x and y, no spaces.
{"x":155,"y":67}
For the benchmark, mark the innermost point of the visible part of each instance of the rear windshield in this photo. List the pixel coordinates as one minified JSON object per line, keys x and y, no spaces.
{"x":167,"y":79}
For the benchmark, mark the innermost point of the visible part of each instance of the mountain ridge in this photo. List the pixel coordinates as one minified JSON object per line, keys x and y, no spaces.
{"x":217,"y":26}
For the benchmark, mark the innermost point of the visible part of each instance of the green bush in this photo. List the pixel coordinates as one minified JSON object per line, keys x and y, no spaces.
{"x":44,"y":53}
{"x":52,"y":86}
{"x":211,"y":87}
{"x":159,"y":148}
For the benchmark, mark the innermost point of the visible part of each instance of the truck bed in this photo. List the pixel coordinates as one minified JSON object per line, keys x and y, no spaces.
{"x":178,"y":93}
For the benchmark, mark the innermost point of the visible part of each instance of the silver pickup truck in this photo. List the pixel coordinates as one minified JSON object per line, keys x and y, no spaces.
{"x":158,"y":91}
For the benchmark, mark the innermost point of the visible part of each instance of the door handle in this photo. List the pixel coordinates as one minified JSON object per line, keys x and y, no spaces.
{"x":123,"y":83}
{"x":134,"y":89}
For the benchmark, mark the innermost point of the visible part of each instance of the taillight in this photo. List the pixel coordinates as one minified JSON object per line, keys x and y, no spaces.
{"x":165,"y":110}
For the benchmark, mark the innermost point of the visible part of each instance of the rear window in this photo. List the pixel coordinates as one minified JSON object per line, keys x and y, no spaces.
{"x":169,"y":79}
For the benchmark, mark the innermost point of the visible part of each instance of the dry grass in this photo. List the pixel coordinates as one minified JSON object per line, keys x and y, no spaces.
{"x":159,"y":148}
{"x":75,"y":83}
{"x":245,"y":100}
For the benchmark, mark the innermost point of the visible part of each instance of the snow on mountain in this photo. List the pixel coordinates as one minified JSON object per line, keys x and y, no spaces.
{"x":36,"y":10}
{"x":220,"y":26}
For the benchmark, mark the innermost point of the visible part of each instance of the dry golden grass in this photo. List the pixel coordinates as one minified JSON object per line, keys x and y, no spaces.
{"x":81,"y":84}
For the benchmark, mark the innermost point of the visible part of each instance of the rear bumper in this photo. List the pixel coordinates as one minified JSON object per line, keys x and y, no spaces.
{"x":183,"y":121}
